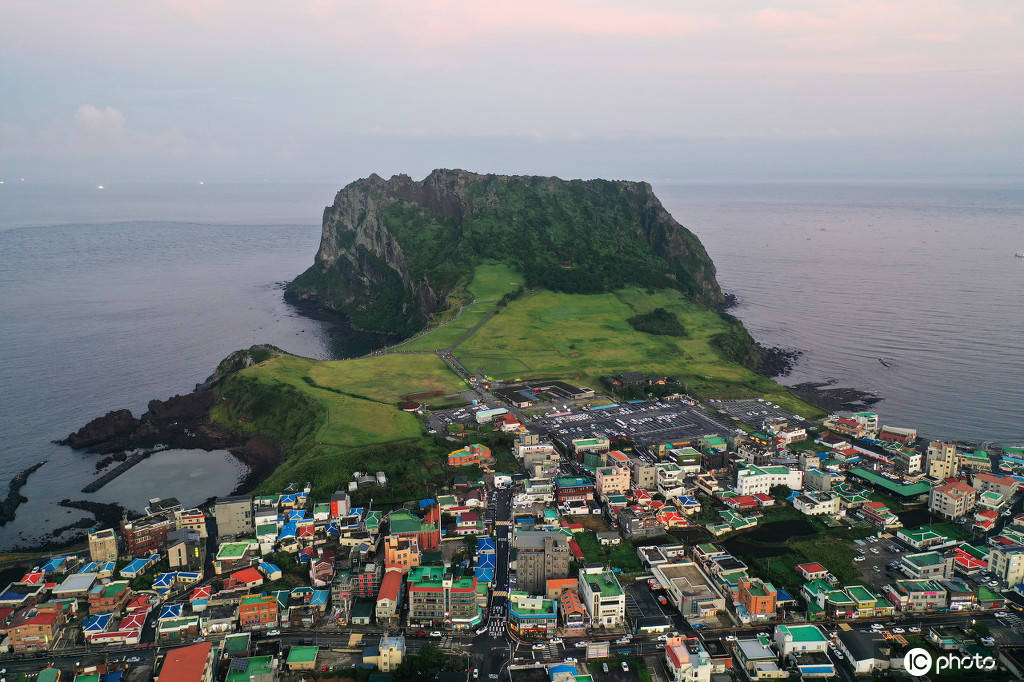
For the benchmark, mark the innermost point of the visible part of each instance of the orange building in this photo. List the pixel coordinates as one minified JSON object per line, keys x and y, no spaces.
{"x":758,"y":597}
{"x":475,"y":453}
{"x":401,"y":552}
{"x":188,"y":664}
{"x":34,"y":630}
{"x":257,"y":612}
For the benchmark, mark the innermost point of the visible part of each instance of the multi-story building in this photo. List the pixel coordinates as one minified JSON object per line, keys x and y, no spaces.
{"x":669,"y":479}
{"x":758,"y":597}
{"x":366,"y":581}
{"x":916,"y":595}
{"x":611,"y":480}
{"x":391,"y":652}
{"x":689,"y":589}
{"x":103,"y":545}
{"x":258,"y":612}
{"x":941,"y":460}
{"x":109,"y":597}
{"x":590,"y":451}
{"x":602,"y":597}
{"x":752,"y":480}
{"x":815,"y":503}
{"x":573,"y":489}
{"x":401,"y":553}
{"x":341,"y":596}
{"x":927,"y":565}
{"x":907,"y":461}
{"x":687,"y":660}
{"x":1006,"y":562}
{"x":952,"y":500}
{"x":147,"y":535}
{"x":34,"y":630}
{"x":426,"y":533}
{"x":799,"y":639}
{"x":234,"y":516}
{"x":817,"y":479}
{"x":644,"y":473}
{"x":184,"y":550}
{"x":389,"y":599}
{"x":192,"y":520}
{"x":535,"y":453}
{"x":194,"y":663}
{"x":572,"y":612}
{"x":436,"y":597}
{"x":1005,"y":486}
{"x":531,"y":616}
{"x":687,"y":458}
{"x":541,"y":556}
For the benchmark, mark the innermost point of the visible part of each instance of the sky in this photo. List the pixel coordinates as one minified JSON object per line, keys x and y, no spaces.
{"x":317,"y":90}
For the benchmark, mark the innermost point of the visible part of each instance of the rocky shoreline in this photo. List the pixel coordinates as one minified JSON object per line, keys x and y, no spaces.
{"x":828,"y":396}
{"x":9,"y":505}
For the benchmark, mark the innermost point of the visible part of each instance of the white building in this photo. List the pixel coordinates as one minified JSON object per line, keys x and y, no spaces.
{"x":602,"y":597}
{"x":814,"y":503}
{"x":687,"y":660}
{"x":752,"y":480}
{"x":792,"y":639}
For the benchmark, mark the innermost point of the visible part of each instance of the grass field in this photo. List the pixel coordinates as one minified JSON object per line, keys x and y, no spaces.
{"x":622,"y":555}
{"x":490,"y":282}
{"x":582,"y":337}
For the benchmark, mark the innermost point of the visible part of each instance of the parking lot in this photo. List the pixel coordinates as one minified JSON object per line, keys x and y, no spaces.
{"x":753,"y":412}
{"x":646,"y":424}
{"x":877,"y":557}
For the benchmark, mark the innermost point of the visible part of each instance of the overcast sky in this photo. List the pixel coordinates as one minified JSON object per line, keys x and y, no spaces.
{"x":313,"y":90}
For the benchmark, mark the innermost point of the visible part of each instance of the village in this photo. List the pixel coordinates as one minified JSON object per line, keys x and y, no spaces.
{"x":661,"y":539}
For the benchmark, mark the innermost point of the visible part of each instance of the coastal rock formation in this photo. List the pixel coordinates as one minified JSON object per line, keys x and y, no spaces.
{"x":115,"y":424}
{"x":393,"y":251}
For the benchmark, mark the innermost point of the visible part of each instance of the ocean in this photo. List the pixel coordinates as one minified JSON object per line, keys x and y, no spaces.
{"x":112,"y":297}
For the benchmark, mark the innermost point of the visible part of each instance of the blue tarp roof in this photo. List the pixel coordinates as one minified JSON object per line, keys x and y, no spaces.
{"x":139,"y":565}
{"x":793,"y":495}
{"x":333,"y":530}
{"x":288,"y":530}
{"x":269,"y":568}
{"x":97,"y":623}
{"x":113,"y":677}
{"x":484,"y":575}
{"x":54,"y":564}
{"x":783,"y":597}
{"x":91,"y":567}
{"x":485,"y":544}
{"x":485,"y":560}
{"x":296,"y":514}
{"x":428,"y":502}
{"x":188,"y":575}
{"x":164,"y":580}
{"x":320,"y":597}
{"x":170,"y":611}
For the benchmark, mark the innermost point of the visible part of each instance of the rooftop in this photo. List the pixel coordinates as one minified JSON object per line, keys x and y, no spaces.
{"x":801,"y":633}
{"x":302,"y":654}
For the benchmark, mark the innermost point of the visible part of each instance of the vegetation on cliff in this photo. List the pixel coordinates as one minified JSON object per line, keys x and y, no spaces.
{"x":395,"y":252}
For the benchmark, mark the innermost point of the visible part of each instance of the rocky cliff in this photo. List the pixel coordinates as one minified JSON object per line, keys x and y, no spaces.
{"x":393,"y":251}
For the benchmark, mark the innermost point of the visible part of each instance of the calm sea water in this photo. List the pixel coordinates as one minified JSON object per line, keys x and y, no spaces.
{"x":110,"y":298}
{"x":921,"y":276}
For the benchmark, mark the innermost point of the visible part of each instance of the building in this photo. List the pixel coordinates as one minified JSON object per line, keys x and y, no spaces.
{"x":541,"y":556}
{"x":798,"y":639}
{"x":389,"y":599}
{"x":147,"y":535}
{"x":610,"y":480}
{"x":437,"y":597}
{"x":590,"y":451}
{"x":1006,"y":562}
{"x":572,"y":613}
{"x":103,"y":545}
{"x":865,"y":651}
{"x":916,"y":595}
{"x":193,"y":663}
{"x":941,"y":460}
{"x":258,"y":612}
{"x":34,"y":630}
{"x":234,"y":516}
{"x":927,"y":565}
{"x":391,"y":651}
{"x":952,"y":500}
{"x":752,"y":480}
{"x":687,"y":660}
{"x":191,"y":520}
{"x":401,"y":552}
{"x":758,"y":598}
{"x":1005,"y":486}
{"x":341,"y":504}
{"x":184,"y":550}
{"x":473,"y":454}
{"x":669,"y":479}
{"x":573,"y":489}
{"x":532,"y":616}
{"x":643,"y":473}
{"x":689,"y":589}
{"x":758,"y":659}
{"x":815,"y":503}
{"x":110,"y":597}
{"x":602,"y":597}
{"x":302,"y":658}
{"x":426,"y":533}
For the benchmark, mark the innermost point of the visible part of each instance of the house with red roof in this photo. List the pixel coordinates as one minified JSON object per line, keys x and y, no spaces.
{"x":813,"y":571}
{"x":389,"y":597}
{"x":574,"y":547}
{"x":741,"y":502}
{"x":34,"y":630}
{"x":188,"y":664}
{"x":247,"y":579}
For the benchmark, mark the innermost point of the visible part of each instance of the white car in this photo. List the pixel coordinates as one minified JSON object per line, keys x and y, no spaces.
{"x":898,"y":631}
{"x":1001,"y":614}
{"x":988,"y":641}
{"x":556,"y":640}
{"x":435,"y":633}
{"x":273,"y":633}
{"x":877,"y":626}
{"x":538,"y":646}
{"x":476,"y":673}
{"x":859,"y":557}
{"x":913,"y":628}
{"x":625,"y":667}
{"x":570,"y":659}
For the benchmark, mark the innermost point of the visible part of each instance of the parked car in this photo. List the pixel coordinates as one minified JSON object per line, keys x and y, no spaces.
{"x":476,"y":673}
{"x":898,"y":631}
{"x":859,"y":557}
{"x":625,"y":667}
{"x":988,"y":641}
{"x":435,"y":633}
{"x":273,"y":633}
{"x":537,"y":647}
{"x":913,"y":628}
{"x":419,"y":633}
{"x":604,"y":667}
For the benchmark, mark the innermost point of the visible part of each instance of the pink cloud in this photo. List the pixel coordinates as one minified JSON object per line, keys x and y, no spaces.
{"x":937,"y":37}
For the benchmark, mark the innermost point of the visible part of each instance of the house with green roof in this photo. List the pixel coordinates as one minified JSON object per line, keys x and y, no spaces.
{"x":927,"y":565}
{"x":797,"y":639}
{"x":302,"y":658}
{"x":922,"y":538}
{"x":246,"y":669}
{"x":531,"y":616}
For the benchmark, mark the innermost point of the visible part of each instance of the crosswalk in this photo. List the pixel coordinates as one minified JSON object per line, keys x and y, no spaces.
{"x":500,"y":593}
{"x":549,"y":651}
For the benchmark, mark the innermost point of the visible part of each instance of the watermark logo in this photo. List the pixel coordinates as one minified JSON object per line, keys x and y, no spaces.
{"x":918,"y":661}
